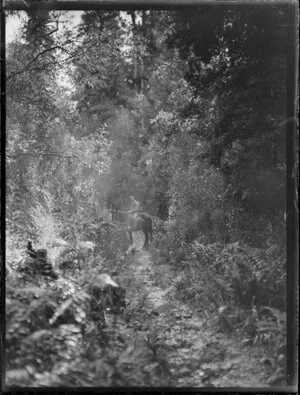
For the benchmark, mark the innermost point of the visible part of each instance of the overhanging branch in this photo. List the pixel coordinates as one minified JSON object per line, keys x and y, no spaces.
{"x":32,"y":61}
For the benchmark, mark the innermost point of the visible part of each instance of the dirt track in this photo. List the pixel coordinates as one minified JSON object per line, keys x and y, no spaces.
{"x":171,"y":344}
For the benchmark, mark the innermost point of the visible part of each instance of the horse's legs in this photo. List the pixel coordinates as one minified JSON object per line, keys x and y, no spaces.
{"x":146,"y":244}
{"x":150,"y":229}
{"x":130,"y":236}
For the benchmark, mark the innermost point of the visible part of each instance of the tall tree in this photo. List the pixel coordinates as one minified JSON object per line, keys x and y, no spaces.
{"x":239,"y":60}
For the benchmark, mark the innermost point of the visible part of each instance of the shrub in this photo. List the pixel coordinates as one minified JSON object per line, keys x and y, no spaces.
{"x":46,"y":226}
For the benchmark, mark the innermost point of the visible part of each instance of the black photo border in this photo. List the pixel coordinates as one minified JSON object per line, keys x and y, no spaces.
{"x":292,"y":223}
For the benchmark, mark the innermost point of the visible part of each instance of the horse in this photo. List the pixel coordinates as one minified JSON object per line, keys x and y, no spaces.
{"x":136,"y":221}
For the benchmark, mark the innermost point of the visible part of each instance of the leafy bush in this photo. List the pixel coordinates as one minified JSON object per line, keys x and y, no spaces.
{"x":44,"y":223}
{"x":245,"y":273}
{"x":50,"y":323}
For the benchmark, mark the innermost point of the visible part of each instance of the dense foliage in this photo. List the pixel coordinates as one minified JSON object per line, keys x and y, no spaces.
{"x":184,"y":110}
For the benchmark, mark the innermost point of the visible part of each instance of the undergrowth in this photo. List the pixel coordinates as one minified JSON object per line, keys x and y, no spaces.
{"x":51,"y":323}
{"x":240,"y":288}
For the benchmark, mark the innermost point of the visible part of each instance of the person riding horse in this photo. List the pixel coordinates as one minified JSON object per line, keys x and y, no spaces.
{"x":136,"y":220}
{"x":135,"y":206}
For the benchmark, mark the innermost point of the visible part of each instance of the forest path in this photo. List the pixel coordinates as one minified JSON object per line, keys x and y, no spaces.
{"x":171,"y":344}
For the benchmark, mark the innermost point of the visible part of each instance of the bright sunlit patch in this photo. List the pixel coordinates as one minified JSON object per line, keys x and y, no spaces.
{"x":13,"y":24}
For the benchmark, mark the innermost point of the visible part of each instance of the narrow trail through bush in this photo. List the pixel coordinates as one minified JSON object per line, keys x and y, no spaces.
{"x":172,"y":340}
{"x":72,"y":333}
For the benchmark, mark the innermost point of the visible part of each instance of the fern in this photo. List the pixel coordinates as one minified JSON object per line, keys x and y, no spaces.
{"x":257,"y":256}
